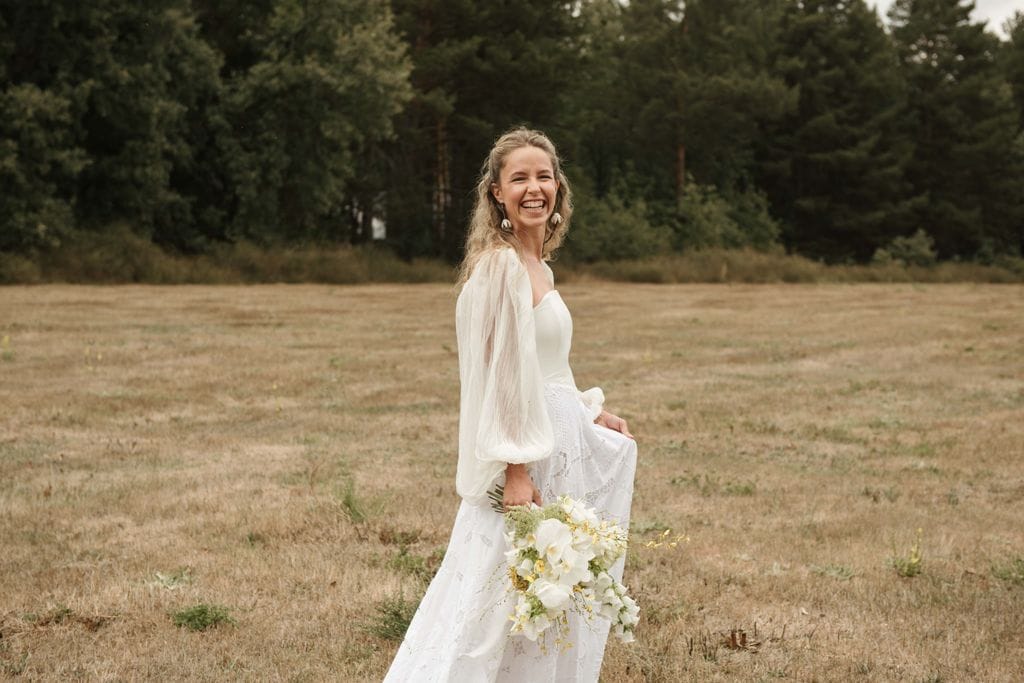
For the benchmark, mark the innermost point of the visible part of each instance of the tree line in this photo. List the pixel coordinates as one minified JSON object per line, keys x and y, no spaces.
{"x":810,"y":125}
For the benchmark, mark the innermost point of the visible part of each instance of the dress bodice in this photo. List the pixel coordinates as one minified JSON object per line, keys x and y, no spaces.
{"x":554,"y":338}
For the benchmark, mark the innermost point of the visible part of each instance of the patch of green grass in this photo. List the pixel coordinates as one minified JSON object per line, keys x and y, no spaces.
{"x":14,"y":668}
{"x":422,"y":567}
{"x":835,"y":571}
{"x":202,"y":616}
{"x":58,"y":615}
{"x":1012,"y":572}
{"x":746,"y":488}
{"x":708,"y":485}
{"x":392,"y":618}
{"x":638,"y":527}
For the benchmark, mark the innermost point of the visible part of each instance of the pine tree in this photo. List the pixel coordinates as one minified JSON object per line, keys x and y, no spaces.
{"x":478,"y":69}
{"x":1013,"y":62}
{"x":316,"y":84}
{"x":962,"y":118}
{"x":113,"y":85}
{"x":834,"y":168}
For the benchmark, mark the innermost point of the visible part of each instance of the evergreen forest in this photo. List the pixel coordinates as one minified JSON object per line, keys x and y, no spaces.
{"x":816,"y":127}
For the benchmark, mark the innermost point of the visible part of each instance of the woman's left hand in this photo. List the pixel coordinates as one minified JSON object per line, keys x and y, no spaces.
{"x":614,"y":422}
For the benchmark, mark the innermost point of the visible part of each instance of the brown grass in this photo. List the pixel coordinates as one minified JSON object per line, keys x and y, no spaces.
{"x":287,"y":453}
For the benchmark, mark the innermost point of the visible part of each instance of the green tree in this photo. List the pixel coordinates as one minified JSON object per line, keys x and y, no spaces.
{"x":961,"y":116}
{"x":1013,"y":61}
{"x":834,"y":166}
{"x":329,"y":78}
{"x":39,"y":163}
{"x":478,"y":69}
{"x":118,"y":82}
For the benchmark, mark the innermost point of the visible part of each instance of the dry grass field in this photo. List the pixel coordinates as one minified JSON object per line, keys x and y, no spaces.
{"x":286,"y":453}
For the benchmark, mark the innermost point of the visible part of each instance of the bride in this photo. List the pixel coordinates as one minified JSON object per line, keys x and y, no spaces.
{"x":523,"y":426}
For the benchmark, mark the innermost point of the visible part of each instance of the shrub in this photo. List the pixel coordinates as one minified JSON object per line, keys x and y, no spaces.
{"x":916,"y":250}
{"x":609,"y":228}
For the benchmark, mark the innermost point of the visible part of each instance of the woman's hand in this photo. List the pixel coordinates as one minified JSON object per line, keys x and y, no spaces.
{"x":519,"y":488}
{"x":606,"y":419}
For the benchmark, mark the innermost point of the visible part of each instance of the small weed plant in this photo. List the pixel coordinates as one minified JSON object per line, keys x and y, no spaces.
{"x":202,"y":616}
{"x":351,"y":504}
{"x":908,"y":565}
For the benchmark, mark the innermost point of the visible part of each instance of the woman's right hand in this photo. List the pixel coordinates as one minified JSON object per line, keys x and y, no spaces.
{"x":519,"y":488}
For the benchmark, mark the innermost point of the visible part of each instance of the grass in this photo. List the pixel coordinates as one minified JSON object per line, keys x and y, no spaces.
{"x":1012,"y":571}
{"x":391,"y":618}
{"x":202,"y":616}
{"x":288,"y":451}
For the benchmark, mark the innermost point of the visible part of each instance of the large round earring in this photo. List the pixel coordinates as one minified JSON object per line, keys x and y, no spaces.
{"x":505,"y":224}
{"x":556,"y":218}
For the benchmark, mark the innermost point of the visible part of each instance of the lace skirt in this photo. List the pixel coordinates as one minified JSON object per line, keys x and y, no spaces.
{"x":460,"y":630}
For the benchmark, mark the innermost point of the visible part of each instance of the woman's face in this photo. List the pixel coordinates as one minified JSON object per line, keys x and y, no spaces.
{"x":527,"y":187}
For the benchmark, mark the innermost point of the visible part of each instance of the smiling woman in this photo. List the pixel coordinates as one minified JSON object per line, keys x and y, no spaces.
{"x":526,"y":433}
{"x":527,"y":188}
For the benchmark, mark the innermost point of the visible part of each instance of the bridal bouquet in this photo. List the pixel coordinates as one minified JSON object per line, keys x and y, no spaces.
{"x":559,"y":556}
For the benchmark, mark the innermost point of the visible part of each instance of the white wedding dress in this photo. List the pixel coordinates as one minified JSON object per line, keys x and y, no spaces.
{"x":519,"y":403}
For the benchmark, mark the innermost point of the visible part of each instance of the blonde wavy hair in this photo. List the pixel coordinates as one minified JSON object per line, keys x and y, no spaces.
{"x":485,"y":231}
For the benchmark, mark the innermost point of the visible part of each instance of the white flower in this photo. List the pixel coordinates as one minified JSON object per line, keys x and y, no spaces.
{"x":553,"y":538}
{"x":553,"y":596}
{"x":565,"y":565}
{"x":571,"y":568}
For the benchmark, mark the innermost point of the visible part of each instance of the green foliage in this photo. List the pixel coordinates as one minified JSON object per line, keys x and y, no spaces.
{"x":1011,"y":572}
{"x":392,"y":618}
{"x":835,"y":164}
{"x":960,"y":114}
{"x":202,"y":616}
{"x":706,"y":219}
{"x":908,"y":565}
{"x":421,"y":567}
{"x":612,"y":229}
{"x":209,"y":127}
{"x":331,"y":77}
{"x":916,"y":250}
{"x":39,"y":161}
{"x":354,"y":508}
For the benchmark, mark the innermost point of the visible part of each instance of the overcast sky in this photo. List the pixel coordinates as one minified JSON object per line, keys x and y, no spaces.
{"x":994,"y":11}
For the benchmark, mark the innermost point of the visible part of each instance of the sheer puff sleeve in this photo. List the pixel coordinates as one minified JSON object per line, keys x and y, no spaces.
{"x":502,"y":413}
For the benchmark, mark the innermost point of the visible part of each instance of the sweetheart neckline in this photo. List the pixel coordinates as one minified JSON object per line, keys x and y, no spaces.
{"x":544,"y":297}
